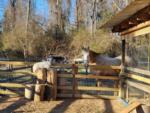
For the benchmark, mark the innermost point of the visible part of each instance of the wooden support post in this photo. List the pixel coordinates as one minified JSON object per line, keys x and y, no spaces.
{"x":51,"y":91}
{"x":54,"y":73}
{"x":122,"y":74}
{"x":127,"y":93}
{"x":49,"y":88}
{"x":39,"y":89}
{"x":123,"y":56}
{"x":139,"y":109}
{"x":74,"y":82}
{"x":116,"y":85}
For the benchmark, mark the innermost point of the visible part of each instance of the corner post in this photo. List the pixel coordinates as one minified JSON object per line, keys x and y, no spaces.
{"x":122,"y":73}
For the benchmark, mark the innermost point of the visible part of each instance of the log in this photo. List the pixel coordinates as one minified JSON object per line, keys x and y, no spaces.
{"x":39,"y":89}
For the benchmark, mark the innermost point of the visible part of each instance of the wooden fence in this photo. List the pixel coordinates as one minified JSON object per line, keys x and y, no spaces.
{"x":139,"y":79}
{"x":73,"y":90}
{"x":13,"y":79}
{"x":73,"y":73}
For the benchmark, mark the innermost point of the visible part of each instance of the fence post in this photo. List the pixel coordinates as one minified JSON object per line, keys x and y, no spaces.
{"x":40,"y":87}
{"x":74,"y":82}
{"x":122,"y":74}
{"x":116,"y":85}
{"x":54,"y":74}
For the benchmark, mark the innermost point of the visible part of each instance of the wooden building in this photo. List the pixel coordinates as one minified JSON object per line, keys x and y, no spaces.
{"x":131,"y":22}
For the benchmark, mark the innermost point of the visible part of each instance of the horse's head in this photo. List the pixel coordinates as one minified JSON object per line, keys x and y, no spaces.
{"x":85,"y":53}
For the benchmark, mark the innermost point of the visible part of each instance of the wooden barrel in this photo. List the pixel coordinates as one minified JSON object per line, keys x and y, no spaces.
{"x":29,"y":91}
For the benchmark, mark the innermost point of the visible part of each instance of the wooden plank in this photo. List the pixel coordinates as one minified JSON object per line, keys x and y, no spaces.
{"x":130,"y":107}
{"x":140,"y":71}
{"x":8,"y":92}
{"x":12,"y":85}
{"x":139,"y":78}
{"x":16,"y":63}
{"x":90,"y":76}
{"x":17,"y":73}
{"x":90,"y":65}
{"x":86,"y":96}
{"x":140,"y":86}
{"x":105,"y":67}
{"x":85,"y":88}
{"x":88,"y":88}
{"x":139,"y":32}
{"x":136,"y":28}
{"x":65,"y":87}
{"x":65,"y":75}
{"x":97,"y":77}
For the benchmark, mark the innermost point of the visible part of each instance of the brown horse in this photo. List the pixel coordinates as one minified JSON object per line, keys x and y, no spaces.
{"x":90,"y":56}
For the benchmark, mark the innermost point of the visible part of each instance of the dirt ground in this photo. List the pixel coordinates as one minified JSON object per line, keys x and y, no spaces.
{"x":21,"y":105}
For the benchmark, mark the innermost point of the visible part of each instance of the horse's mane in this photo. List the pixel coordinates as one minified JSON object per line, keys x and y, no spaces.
{"x":93,"y":55}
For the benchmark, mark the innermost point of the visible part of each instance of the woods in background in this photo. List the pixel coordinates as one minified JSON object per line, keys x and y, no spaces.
{"x":63,"y":28}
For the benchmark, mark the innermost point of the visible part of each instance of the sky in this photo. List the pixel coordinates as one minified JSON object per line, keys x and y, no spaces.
{"x":41,"y":9}
{"x":3,"y":4}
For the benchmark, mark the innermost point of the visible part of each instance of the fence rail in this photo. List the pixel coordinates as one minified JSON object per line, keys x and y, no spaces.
{"x":16,"y":63}
{"x":140,"y":71}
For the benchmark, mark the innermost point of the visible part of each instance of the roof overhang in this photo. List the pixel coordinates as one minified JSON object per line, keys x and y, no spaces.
{"x":126,"y":13}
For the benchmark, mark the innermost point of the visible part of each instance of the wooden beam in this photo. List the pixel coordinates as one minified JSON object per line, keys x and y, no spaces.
{"x":80,"y":76}
{"x":133,"y":20}
{"x":136,"y":70}
{"x":105,"y":67}
{"x":139,"y":78}
{"x":136,"y":29}
{"x":139,"y":86}
{"x":97,"y":77}
{"x":139,"y":32}
{"x":12,"y":85}
{"x":18,"y":73}
{"x":88,"y":88}
{"x":130,"y":107}
{"x":16,"y":63}
{"x":8,"y":92}
{"x":85,"y":88}
{"x":87,"y":96}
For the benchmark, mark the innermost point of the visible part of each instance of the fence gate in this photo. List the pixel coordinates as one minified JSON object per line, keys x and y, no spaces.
{"x":74,"y":82}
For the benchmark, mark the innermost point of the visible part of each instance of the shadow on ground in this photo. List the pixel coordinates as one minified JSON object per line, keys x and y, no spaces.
{"x":62,"y":107}
{"x":17,"y":104}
